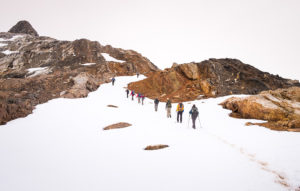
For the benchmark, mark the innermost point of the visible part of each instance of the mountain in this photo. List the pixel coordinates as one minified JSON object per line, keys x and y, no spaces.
{"x":209,"y":78}
{"x":35,"y":69}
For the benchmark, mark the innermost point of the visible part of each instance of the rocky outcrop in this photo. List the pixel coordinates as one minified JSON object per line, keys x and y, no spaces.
{"x":23,"y":27}
{"x":210,"y":78}
{"x":156,"y":147}
{"x":281,"y":108}
{"x":36,"y":69}
{"x":133,"y":61}
{"x":117,"y":126}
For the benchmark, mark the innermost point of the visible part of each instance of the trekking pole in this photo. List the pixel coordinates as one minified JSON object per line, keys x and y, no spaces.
{"x":200,"y":122}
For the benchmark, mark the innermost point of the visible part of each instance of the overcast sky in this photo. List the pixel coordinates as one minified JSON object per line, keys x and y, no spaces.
{"x":262,"y":33}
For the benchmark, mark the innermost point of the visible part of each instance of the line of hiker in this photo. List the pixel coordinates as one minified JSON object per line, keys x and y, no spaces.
{"x":193,"y":113}
{"x":140,"y":97}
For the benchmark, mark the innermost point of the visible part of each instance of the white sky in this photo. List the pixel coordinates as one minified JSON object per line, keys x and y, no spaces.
{"x":263,"y":33}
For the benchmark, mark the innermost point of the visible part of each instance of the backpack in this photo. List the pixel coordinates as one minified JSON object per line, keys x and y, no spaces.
{"x":169,"y":104}
{"x":195,"y":111}
{"x":180,"y":108}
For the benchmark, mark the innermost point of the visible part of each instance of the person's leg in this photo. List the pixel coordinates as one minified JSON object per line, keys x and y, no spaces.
{"x":194,"y":123}
{"x":180,"y":116}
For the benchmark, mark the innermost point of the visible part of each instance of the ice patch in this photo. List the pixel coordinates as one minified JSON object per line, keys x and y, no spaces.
{"x":12,"y":39}
{"x":37,"y":71}
{"x":109,"y":58}
{"x":1,"y":44}
{"x":88,"y":64}
{"x":7,"y":52}
{"x":15,"y":37}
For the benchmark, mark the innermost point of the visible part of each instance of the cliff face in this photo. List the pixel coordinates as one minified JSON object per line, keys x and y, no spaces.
{"x":36,"y":69}
{"x":280,"y":108}
{"x":210,"y":78}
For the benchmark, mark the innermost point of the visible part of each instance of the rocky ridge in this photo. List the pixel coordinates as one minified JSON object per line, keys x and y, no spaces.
{"x":35,"y":69}
{"x":280,"y":108}
{"x":209,"y":78}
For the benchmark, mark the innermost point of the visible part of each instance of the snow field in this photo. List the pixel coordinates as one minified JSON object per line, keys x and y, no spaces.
{"x":109,"y":58}
{"x":62,"y":146}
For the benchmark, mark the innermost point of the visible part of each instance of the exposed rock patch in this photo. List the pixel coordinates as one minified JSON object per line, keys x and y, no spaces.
{"x":112,"y":106}
{"x":281,"y":108}
{"x":210,"y":78}
{"x":117,"y":126}
{"x":155,"y":147}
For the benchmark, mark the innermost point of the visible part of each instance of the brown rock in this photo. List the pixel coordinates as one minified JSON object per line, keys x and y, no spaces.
{"x":281,"y":108}
{"x":210,"y":78}
{"x":117,"y":126}
{"x":112,"y":106}
{"x":155,"y":147}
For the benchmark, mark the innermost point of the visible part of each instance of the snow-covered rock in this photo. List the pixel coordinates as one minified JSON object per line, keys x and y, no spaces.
{"x":109,"y":58}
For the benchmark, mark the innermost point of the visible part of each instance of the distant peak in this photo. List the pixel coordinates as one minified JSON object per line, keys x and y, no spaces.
{"x":23,"y":27}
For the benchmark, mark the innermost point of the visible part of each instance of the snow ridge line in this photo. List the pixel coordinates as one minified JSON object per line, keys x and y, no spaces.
{"x":280,"y":179}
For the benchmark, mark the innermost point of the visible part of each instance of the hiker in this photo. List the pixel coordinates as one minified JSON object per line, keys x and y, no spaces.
{"x":143,"y":98}
{"x":194,"y":114}
{"x":168,"y":108}
{"x":156,"y":101}
{"x":113,"y":80}
{"x":180,"y":110}
{"x":127,"y":92}
{"x":139,"y":97}
{"x":132,"y":94}
{"x":137,"y":74}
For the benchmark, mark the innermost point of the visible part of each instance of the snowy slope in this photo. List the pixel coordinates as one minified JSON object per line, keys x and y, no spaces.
{"x":62,"y":147}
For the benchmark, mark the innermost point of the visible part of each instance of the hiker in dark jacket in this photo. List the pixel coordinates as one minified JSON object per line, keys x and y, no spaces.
{"x":156,"y":101}
{"x":180,"y":110}
{"x":113,"y":80}
{"x":127,"y":92}
{"x":168,"y":108}
{"x":194,"y":114}
{"x":143,"y":98}
{"x":132,"y":94}
{"x":138,"y":95}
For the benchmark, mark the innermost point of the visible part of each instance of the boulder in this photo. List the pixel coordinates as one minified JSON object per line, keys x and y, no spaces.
{"x":156,"y":147}
{"x":280,"y":108}
{"x":117,"y":126}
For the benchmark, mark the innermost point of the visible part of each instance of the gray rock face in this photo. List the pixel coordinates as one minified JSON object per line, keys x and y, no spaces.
{"x":23,"y":27}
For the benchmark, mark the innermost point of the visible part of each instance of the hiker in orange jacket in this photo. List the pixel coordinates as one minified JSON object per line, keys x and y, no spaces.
{"x":180,"y":110}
